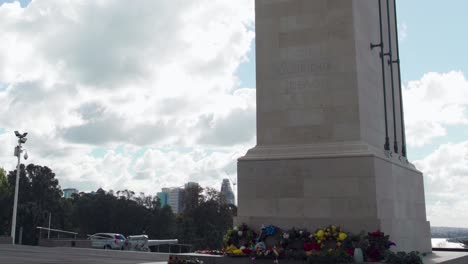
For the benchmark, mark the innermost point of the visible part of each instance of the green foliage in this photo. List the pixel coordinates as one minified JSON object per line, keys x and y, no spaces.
{"x":202,"y":224}
{"x":464,"y":242}
{"x":240,"y":236}
{"x":403,"y":258}
{"x":6,"y":202}
{"x":39,"y":193}
{"x":379,"y":244}
{"x":357,"y":241}
{"x":205,"y":220}
{"x":185,"y":260}
{"x":335,"y":256}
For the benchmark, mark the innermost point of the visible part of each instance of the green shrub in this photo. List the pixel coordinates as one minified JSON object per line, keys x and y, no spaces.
{"x":403,"y":258}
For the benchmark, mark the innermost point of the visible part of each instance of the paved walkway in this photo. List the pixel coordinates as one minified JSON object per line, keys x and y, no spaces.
{"x":44,"y":255}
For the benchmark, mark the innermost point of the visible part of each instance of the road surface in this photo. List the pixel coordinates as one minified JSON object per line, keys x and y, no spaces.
{"x":14,"y":254}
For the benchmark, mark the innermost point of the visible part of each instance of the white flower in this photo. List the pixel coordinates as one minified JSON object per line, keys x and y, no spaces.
{"x":239,"y":233}
{"x":236,"y":228}
{"x":285,"y":235}
{"x":300,"y":232}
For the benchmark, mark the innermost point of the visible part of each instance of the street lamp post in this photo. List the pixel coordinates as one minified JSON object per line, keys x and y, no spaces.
{"x":18,"y":150}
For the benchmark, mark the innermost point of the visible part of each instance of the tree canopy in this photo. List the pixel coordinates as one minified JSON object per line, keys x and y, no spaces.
{"x":204,"y":221}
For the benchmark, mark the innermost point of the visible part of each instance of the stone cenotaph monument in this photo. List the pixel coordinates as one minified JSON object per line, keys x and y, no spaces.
{"x":330,"y":131}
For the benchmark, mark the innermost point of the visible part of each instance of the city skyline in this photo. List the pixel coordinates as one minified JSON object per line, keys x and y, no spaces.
{"x":180,"y":105}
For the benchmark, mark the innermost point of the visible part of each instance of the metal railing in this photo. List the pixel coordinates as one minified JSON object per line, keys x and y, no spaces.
{"x":178,"y":248}
{"x":68,"y":234}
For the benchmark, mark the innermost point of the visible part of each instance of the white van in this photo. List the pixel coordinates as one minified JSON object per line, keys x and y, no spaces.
{"x":108,"y":241}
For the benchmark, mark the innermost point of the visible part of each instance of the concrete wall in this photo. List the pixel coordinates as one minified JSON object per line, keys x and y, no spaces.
{"x":319,"y":158}
{"x":306,"y":73}
{"x":5,"y":240}
{"x":318,"y":81}
{"x":65,"y":243}
{"x":361,"y":193}
{"x":369,"y":74}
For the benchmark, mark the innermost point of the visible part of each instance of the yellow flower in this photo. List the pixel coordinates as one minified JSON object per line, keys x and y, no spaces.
{"x":232,"y":247}
{"x":237,"y":252}
{"x":319,"y":233}
{"x":333,"y":227}
{"x":342,"y":236}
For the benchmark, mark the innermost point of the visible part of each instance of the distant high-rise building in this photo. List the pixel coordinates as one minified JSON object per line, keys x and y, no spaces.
{"x":67,"y":193}
{"x":162,"y":196}
{"x":191,"y":184}
{"x":175,"y":199}
{"x":226,"y":190}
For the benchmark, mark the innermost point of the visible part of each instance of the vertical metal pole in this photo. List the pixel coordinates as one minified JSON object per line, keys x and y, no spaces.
{"x":403,"y":132}
{"x":20,"y":239}
{"x":381,"y":45}
{"x":48,"y":233}
{"x":15,"y":203}
{"x":389,"y":54}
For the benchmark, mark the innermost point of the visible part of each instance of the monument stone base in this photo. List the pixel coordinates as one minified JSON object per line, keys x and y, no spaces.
{"x":348,"y":184}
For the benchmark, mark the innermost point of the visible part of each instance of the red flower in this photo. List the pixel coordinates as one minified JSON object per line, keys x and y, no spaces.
{"x":350,"y":251}
{"x":308,"y":246}
{"x":376,"y":233}
{"x":247,"y":251}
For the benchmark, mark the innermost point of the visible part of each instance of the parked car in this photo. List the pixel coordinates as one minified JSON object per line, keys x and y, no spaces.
{"x":108,"y":241}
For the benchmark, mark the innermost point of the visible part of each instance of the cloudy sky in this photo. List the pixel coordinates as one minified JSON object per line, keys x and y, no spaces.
{"x":153,"y":94}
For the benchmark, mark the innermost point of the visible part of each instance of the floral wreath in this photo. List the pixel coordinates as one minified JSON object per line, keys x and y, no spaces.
{"x":270,"y":231}
{"x":263,"y":247}
{"x":293,"y":237}
{"x":240,"y":236}
{"x":330,"y":237}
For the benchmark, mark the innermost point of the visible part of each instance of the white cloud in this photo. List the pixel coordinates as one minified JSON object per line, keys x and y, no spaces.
{"x":446,"y":181}
{"x":87,"y":74}
{"x":433,"y":103}
{"x":403,"y":32}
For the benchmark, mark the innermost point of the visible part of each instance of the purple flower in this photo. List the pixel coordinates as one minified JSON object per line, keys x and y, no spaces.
{"x":391,"y":244}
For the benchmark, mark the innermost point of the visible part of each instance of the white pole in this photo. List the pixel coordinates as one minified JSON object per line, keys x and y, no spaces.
{"x":48,"y":234}
{"x":15,"y":203}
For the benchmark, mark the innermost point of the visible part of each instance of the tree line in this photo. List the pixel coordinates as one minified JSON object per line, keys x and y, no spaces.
{"x":203,"y":223}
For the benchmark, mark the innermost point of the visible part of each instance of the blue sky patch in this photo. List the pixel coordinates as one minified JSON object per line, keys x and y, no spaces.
{"x":3,"y":86}
{"x":435,"y":46}
{"x":98,"y":152}
{"x":454,"y":134}
{"x":246,"y":71}
{"x":23,"y":3}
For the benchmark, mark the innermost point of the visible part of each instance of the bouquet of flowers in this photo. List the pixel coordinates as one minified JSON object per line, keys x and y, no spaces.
{"x":379,"y":244}
{"x":240,"y":236}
